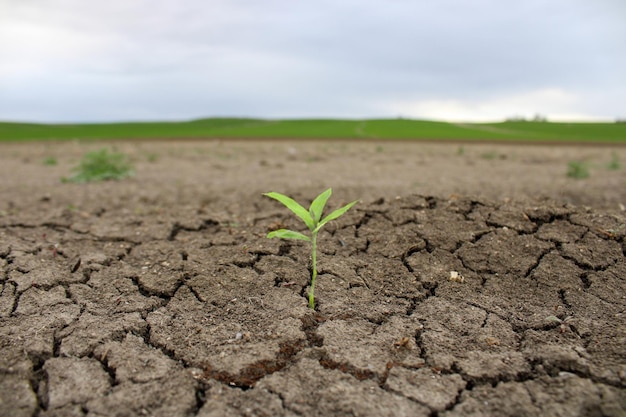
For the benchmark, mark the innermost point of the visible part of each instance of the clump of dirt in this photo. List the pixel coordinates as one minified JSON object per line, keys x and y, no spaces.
{"x":133,"y":303}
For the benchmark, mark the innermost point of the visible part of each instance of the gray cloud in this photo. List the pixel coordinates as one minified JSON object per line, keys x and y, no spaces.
{"x":69,"y":60}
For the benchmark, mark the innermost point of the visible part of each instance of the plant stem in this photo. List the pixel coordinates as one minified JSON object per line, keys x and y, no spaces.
{"x":314,"y":273}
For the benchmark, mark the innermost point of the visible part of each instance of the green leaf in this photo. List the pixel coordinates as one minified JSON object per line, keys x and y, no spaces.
{"x":287,"y":234}
{"x":317,"y":206}
{"x":296,"y":208}
{"x":335,"y":214}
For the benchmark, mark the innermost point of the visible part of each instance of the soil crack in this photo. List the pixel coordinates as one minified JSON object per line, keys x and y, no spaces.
{"x":248,"y":377}
{"x":346,"y":368}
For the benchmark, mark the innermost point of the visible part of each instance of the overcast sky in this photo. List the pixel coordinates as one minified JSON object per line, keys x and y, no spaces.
{"x":460,"y":60}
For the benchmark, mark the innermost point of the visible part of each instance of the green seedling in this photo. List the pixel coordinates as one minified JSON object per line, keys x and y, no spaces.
{"x":152,"y":157}
{"x":50,"y":161}
{"x":577,"y":169}
{"x":102,"y":165}
{"x":312,"y":218}
{"x":490,"y":155}
{"x":615,"y":164}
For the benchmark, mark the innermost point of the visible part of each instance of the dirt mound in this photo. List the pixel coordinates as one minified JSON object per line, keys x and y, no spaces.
{"x":425,"y":306}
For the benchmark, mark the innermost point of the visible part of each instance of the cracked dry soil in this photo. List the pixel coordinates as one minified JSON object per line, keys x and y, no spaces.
{"x":161,"y":296}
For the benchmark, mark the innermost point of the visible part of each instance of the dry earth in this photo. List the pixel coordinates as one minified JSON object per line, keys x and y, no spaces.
{"x":159,"y":295}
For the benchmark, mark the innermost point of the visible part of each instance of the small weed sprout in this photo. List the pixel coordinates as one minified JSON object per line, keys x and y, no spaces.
{"x":312,"y":218}
{"x":615,"y":164}
{"x":577,"y":169}
{"x":490,"y":155}
{"x":102,"y":165}
{"x":50,"y":161}
{"x":152,"y":157}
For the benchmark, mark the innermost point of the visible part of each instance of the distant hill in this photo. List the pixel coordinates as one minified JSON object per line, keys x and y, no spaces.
{"x":406,"y":129}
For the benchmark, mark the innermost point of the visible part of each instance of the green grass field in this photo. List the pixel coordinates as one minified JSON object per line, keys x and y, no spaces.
{"x":321,"y":129}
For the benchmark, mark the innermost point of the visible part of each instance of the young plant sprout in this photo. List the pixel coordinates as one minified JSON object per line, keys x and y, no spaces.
{"x":312,"y":218}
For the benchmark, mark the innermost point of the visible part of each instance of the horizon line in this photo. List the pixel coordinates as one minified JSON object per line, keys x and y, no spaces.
{"x":541,"y":119}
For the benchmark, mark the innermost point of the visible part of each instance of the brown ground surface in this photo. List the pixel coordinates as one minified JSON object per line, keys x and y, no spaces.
{"x":159,"y":295}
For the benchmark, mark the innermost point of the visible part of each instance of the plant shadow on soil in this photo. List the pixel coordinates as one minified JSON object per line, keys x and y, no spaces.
{"x":188,"y":311}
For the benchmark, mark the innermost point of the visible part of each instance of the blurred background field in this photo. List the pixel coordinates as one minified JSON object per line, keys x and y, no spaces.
{"x":524,"y":131}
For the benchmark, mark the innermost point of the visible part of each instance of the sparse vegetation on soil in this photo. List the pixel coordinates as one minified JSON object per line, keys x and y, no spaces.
{"x":492,"y":288}
{"x":50,"y":161}
{"x":102,"y":165}
{"x":615,"y":163}
{"x":577,"y":169}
